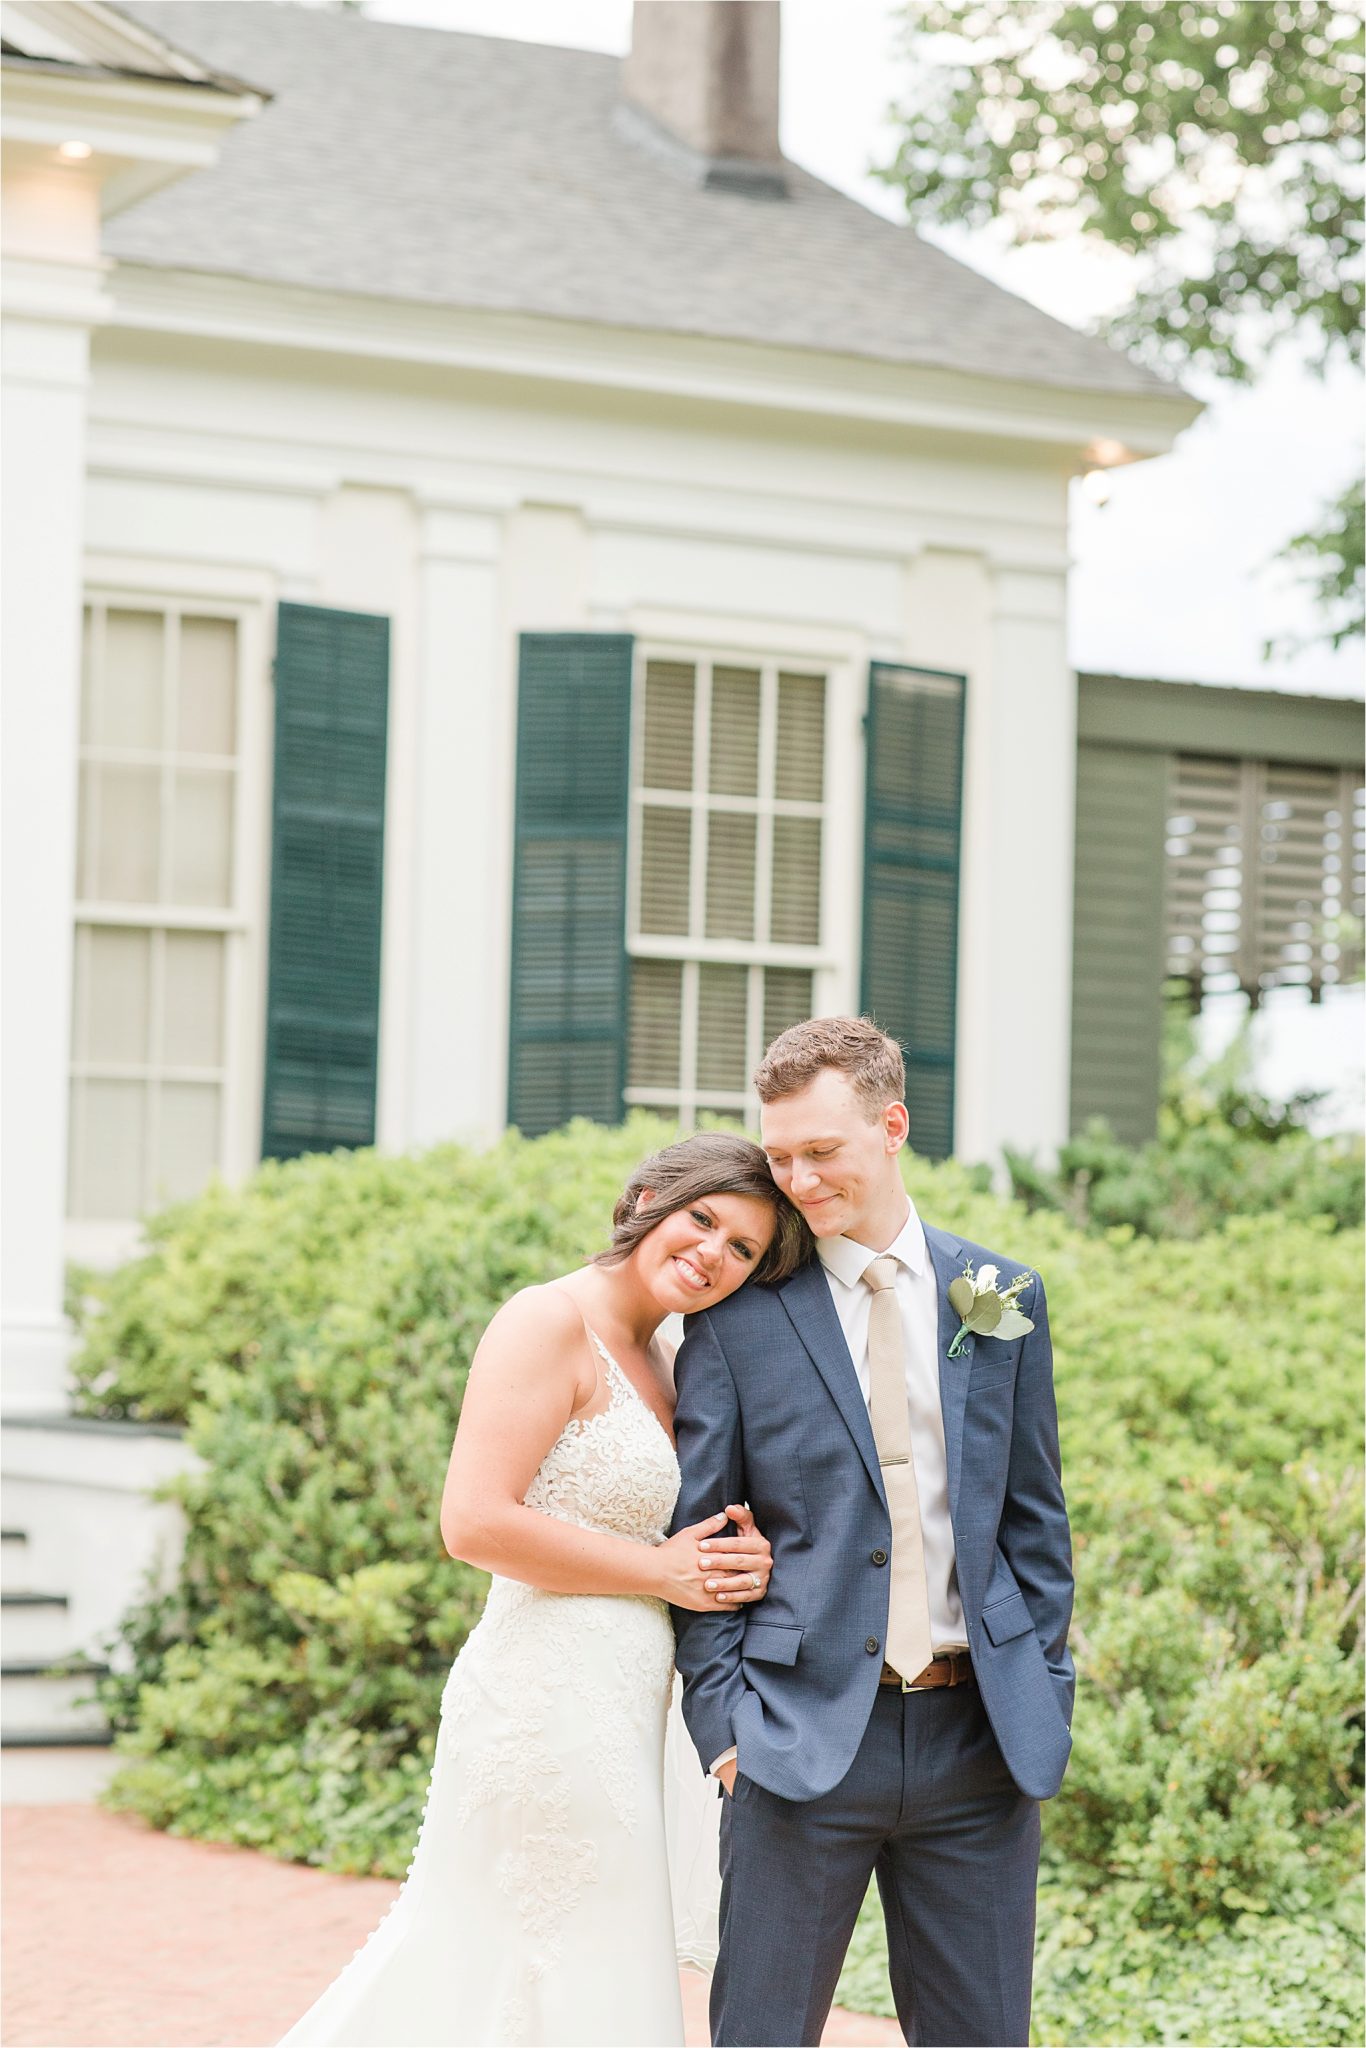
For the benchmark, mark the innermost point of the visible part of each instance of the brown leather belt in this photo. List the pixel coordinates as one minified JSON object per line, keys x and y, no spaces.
{"x":954,"y":1667}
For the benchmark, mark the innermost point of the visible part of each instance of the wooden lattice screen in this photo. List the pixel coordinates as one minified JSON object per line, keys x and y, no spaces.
{"x":1264,"y":879}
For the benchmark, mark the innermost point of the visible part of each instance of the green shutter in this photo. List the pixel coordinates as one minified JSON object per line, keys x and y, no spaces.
{"x":327,"y":866}
{"x":1117,"y":938}
{"x":913,"y":827}
{"x":567,"y":1051}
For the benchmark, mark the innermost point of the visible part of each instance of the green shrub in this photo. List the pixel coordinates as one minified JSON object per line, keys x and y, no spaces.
{"x":1222,"y":1149}
{"x":314,"y":1329}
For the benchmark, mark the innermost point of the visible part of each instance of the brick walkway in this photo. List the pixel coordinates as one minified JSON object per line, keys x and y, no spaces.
{"x":118,"y":1937}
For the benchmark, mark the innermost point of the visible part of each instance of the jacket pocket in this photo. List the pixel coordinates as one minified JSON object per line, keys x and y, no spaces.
{"x":771,"y":1644}
{"x":1006,"y":1619}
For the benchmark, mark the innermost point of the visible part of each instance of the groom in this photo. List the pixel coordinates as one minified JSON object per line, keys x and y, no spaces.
{"x":901,"y":1700}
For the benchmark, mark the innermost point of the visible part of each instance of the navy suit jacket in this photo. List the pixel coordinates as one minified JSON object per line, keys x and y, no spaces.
{"x":770,"y":1412}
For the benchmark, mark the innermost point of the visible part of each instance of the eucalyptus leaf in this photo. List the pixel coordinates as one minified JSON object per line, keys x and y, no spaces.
{"x":1012,"y":1324}
{"x":961,"y":1296}
{"x":986,"y":1314}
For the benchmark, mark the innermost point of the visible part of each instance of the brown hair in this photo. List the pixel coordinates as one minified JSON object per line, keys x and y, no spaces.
{"x":870,"y":1061}
{"x":709,"y":1163}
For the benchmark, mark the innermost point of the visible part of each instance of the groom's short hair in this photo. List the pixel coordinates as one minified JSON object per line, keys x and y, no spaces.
{"x":870,"y":1061}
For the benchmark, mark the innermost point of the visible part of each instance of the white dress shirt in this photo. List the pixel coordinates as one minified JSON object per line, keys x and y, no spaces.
{"x":917,"y":1296}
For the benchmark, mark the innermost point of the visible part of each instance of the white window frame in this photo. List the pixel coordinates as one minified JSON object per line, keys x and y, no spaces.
{"x":830,"y":969}
{"x":169,"y":590}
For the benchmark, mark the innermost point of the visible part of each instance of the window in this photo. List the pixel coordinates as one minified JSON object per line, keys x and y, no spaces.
{"x":158,"y":906}
{"x":728,"y":825}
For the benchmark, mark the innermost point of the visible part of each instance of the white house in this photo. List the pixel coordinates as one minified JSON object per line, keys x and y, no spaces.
{"x":564,"y":593}
{"x":421,"y":344}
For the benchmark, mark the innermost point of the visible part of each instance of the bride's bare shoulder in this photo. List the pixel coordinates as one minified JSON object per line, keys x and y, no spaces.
{"x":546,"y":1313}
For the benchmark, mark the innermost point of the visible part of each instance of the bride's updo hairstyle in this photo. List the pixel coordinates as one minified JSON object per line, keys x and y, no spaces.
{"x":709,"y":1163}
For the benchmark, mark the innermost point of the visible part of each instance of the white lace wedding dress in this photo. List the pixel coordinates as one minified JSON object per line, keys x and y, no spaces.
{"x":537,"y":1908}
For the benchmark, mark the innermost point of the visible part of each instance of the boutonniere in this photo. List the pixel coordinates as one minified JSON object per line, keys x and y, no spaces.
{"x":986,"y":1309}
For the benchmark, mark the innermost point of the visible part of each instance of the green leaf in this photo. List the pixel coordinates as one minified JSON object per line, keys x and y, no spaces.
{"x":961,"y":1296}
{"x":1012,"y":1324}
{"x":986,"y":1314}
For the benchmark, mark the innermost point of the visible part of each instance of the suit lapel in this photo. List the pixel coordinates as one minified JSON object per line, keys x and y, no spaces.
{"x":811,"y":1308}
{"x":953,"y":1372}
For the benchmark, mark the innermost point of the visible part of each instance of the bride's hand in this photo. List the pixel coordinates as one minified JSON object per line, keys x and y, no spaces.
{"x":730,"y":1564}
{"x":701,"y":1570}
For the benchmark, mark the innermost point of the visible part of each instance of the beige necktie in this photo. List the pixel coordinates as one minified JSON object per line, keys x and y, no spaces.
{"x":909,"y":1643}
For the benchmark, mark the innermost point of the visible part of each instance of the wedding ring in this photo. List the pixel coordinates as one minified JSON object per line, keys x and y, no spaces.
{"x":755,"y":1581}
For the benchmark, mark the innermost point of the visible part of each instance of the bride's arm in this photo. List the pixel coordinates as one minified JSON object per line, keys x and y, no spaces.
{"x":523,"y":1387}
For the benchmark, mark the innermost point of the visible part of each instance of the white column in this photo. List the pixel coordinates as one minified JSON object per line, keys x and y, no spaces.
{"x":457,"y":1073}
{"x":1028,"y":765}
{"x":50,"y":307}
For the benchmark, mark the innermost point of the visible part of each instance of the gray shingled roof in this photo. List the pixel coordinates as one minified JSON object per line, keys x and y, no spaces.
{"x":462,"y":170}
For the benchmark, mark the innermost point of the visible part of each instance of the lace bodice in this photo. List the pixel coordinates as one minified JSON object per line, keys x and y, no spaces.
{"x":615,"y":1470}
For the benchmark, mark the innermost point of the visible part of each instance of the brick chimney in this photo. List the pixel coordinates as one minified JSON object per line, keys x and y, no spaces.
{"x":701,"y":86}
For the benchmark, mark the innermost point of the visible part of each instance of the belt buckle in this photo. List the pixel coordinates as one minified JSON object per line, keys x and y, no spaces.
{"x":906,"y":1686}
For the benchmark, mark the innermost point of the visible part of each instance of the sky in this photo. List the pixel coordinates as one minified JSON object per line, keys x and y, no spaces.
{"x":1174,"y":576}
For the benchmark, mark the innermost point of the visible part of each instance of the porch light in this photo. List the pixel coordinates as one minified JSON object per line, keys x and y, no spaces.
{"x":1097,"y":486}
{"x":74,"y":152}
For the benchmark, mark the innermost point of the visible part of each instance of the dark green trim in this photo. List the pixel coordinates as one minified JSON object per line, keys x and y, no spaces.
{"x":569,"y":996}
{"x":79,"y":1666}
{"x":94,"y":1425}
{"x":895,"y":870}
{"x":327,"y":880}
{"x":58,"y":1738}
{"x":1200,"y":718}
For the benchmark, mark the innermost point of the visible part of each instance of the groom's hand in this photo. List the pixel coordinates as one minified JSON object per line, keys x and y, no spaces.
{"x":726,"y":1773}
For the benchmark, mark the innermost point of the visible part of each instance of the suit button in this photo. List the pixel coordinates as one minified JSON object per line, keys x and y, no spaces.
{"x":879,"y":1557}
{"x":871,"y":1646}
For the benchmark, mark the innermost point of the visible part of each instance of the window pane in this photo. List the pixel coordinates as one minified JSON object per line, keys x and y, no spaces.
{"x":112,"y":996}
{"x":721,"y":1006}
{"x":192,"y":1025}
{"x":801,"y":738}
{"x":128,"y":695}
{"x":201,"y":837}
{"x":796,"y":919}
{"x":206,"y":687}
{"x":787,"y":999}
{"x":656,"y":1010}
{"x":111,"y":1147}
{"x":669,"y":691}
{"x":735,"y":731}
{"x":120,"y":833}
{"x":187,"y":1139}
{"x":666,"y":840}
{"x":730,"y":876}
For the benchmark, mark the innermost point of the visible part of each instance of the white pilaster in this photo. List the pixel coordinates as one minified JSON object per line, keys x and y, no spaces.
{"x":463,"y":794}
{"x":1029,"y":758}
{"x":50,"y":307}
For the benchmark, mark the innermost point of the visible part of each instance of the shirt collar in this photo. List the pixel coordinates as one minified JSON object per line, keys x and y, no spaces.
{"x":847,"y":1259}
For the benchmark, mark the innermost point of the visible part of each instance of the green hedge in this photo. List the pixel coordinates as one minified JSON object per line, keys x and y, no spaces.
{"x":315,"y":1328}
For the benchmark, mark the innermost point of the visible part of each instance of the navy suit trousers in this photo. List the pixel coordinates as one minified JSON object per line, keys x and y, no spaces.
{"x":929,"y":1805}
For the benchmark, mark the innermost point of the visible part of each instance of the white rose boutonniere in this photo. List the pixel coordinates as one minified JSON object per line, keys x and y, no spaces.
{"x":986,"y":1309}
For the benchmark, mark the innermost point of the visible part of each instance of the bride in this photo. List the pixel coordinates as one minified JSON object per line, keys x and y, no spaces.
{"x":537,"y":1908}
